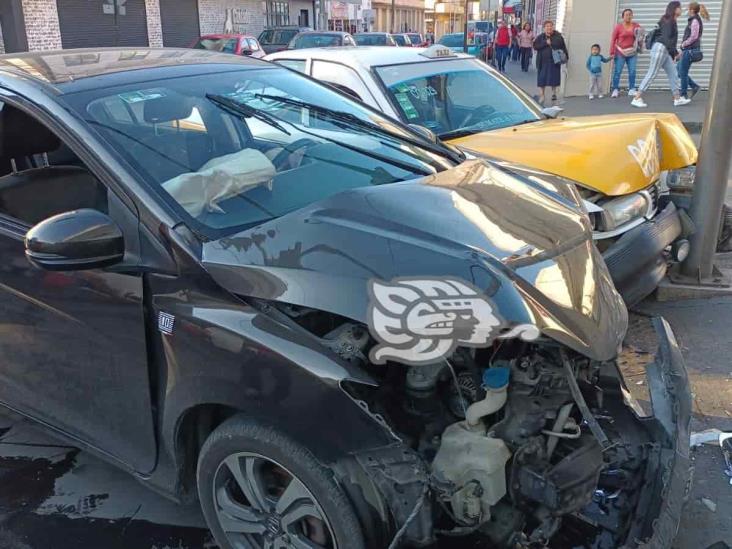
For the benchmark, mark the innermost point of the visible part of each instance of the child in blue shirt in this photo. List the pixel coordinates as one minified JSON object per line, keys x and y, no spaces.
{"x":594,"y":65}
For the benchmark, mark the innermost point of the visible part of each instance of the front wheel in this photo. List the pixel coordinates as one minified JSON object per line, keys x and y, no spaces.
{"x":259,"y":489}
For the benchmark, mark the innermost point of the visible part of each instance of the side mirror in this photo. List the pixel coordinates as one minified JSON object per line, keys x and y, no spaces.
{"x":424,"y":132}
{"x":75,"y":241}
{"x":247,"y":52}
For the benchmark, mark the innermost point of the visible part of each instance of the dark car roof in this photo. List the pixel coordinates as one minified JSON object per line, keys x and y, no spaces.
{"x":73,"y":70}
{"x":334,"y":33}
{"x":370,"y":33}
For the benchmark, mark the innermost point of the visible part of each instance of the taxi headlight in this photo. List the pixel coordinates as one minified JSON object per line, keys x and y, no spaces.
{"x":624,"y":209}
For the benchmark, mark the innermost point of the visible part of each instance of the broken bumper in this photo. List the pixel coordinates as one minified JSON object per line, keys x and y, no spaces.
{"x":667,"y":479}
{"x":636,"y":261}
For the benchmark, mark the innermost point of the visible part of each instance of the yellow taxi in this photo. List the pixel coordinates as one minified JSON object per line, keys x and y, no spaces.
{"x":628,"y":168}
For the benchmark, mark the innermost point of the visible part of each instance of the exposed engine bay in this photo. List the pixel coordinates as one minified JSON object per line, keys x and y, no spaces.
{"x":517,"y":445}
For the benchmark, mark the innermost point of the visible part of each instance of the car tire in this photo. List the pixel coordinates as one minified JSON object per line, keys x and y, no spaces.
{"x":245,"y":460}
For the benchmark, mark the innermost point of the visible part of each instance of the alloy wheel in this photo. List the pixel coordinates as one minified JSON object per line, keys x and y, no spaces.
{"x":260,"y":504}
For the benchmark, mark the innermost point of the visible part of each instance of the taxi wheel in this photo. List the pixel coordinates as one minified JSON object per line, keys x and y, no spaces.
{"x":258,"y":488}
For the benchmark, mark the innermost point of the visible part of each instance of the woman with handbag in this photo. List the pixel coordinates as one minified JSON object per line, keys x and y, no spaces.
{"x":623,"y":50}
{"x":551,"y":54}
{"x":663,"y":41}
{"x":691,"y":48}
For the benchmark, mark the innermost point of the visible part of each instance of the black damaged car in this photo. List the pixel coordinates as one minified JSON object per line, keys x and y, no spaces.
{"x":249,"y":290}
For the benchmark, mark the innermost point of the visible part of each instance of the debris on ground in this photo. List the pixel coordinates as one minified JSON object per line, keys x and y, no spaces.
{"x":709,"y":504}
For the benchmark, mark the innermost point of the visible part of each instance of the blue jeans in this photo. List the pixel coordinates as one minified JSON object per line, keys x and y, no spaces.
{"x":620,"y":61}
{"x":501,"y":56}
{"x":684,"y":65}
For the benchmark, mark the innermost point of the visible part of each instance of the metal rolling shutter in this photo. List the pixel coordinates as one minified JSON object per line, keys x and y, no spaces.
{"x":648,"y":12}
{"x":99,"y":23}
{"x":180,"y":23}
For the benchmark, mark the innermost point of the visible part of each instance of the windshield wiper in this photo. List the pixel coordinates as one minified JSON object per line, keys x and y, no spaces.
{"x":477,"y":128}
{"x":242,"y":109}
{"x":353,"y":120}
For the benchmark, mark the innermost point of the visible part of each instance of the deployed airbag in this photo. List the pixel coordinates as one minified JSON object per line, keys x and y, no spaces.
{"x":220,"y":178}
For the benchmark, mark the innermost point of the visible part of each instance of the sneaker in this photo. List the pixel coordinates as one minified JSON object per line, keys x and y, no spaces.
{"x":638,"y":102}
{"x":693,"y":92}
{"x":600,"y":96}
{"x":591,"y":97}
{"x":632,"y":92}
{"x":681,"y":101}
{"x":615,"y":94}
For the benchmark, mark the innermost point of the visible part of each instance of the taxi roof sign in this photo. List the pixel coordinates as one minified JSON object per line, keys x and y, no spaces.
{"x":438,"y":51}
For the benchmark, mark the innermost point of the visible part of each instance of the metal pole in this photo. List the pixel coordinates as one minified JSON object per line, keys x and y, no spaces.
{"x":391,"y":29}
{"x":465,"y":27}
{"x":712,"y":168}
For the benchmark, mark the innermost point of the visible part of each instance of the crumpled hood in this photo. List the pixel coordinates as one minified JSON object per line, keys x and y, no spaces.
{"x":611,"y":154}
{"x":526,"y":243}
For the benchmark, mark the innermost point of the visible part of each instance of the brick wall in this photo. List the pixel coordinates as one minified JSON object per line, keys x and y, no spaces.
{"x":154,"y":26}
{"x":249,"y":16}
{"x":41,"y":22}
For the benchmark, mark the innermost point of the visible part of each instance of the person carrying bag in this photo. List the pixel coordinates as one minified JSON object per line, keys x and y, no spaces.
{"x":691,"y":51}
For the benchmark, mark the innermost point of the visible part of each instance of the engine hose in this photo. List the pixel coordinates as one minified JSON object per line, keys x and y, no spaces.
{"x":582,"y":405}
{"x":562,"y":417}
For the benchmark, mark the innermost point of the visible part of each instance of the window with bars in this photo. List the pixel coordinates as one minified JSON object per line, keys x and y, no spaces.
{"x":278,"y":13}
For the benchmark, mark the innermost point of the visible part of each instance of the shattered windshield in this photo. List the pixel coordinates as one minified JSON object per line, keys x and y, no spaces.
{"x":251,"y":145}
{"x":455,"y":97}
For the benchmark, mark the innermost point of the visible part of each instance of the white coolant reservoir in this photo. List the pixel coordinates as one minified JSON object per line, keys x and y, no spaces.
{"x":471,"y":459}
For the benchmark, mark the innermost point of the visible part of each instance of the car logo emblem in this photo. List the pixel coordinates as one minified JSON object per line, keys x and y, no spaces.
{"x":165,"y":322}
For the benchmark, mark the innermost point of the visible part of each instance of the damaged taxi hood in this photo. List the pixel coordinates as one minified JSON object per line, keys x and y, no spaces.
{"x":611,"y":154}
{"x":525,"y":242}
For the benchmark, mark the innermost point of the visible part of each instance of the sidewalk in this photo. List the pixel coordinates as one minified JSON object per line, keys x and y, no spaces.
{"x":658,"y":101}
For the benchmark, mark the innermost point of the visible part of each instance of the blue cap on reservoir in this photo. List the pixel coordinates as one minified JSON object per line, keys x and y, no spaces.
{"x":496,"y":378}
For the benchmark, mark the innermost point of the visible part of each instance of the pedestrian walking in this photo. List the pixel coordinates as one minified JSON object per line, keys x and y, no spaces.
{"x":526,"y":43}
{"x":551,"y":54}
{"x":503,"y":43}
{"x":691,"y":48}
{"x":624,"y":46}
{"x":663,"y":40}
{"x":594,"y":66}
{"x":514,"y":43}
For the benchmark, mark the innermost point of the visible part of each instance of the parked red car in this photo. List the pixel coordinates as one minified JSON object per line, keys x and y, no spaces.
{"x":238,"y":44}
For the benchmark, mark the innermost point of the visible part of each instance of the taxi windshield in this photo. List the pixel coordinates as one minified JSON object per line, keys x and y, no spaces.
{"x":455,"y":97}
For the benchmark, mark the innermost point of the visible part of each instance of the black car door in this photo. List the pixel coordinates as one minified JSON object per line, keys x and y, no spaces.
{"x":72,"y":344}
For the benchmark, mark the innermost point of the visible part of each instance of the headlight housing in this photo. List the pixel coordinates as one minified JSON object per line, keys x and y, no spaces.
{"x":680,"y":180}
{"x":617,"y":212}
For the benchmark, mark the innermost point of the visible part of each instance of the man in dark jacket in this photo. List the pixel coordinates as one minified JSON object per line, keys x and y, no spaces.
{"x":663,"y":55}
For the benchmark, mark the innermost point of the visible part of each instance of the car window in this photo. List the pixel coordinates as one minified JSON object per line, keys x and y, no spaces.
{"x":370,"y":39}
{"x":40,"y":176}
{"x":294,"y":64}
{"x":349,"y":41}
{"x":451,"y":40}
{"x":455,"y":96}
{"x":253,"y":45}
{"x":225,"y":45}
{"x":415,"y":39}
{"x":316,"y":41}
{"x":341,"y":76}
{"x":252,"y":165}
{"x":402,"y":40}
{"x":277,"y":36}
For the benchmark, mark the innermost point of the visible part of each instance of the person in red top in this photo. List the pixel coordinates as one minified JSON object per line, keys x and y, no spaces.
{"x":503,"y":43}
{"x":624,"y":50}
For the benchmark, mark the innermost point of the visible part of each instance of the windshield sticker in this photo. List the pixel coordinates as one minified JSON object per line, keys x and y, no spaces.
{"x":406,"y":106}
{"x":423,"y":93}
{"x":142,"y":95}
{"x":423,"y":320}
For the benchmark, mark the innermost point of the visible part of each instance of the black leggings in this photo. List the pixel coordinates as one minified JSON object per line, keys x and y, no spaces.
{"x":525,"y":59}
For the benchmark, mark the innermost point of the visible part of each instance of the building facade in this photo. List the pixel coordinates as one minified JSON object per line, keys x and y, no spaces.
{"x":408,"y":15}
{"x":34,"y":25}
